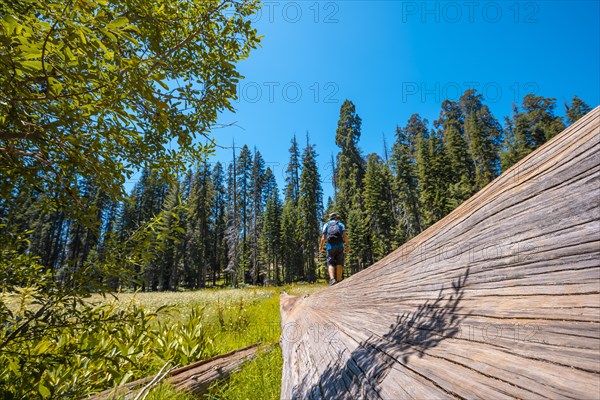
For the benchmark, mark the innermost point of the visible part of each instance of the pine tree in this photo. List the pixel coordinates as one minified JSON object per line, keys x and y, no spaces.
{"x":462,"y":180}
{"x":379,"y":206}
{"x":333,"y":174}
{"x":270,"y":184}
{"x":232,"y":234}
{"x":350,"y":166}
{"x":292,"y":173}
{"x":169,"y":261}
{"x":147,"y":199}
{"x":359,"y":239}
{"x":310,"y":205}
{"x":28,"y":212}
{"x":183,"y":275}
{"x":405,"y":186}
{"x":98,"y":201}
{"x":433,"y":175}
{"x":244,"y":192}
{"x":257,"y":184}
{"x":271,"y":233}
{"x":199,"y":229}
{"x":483,"y":135}
{"x":529,"y":128}
{"x":81,"y":235}
{"x":349,"y":175}
{"x":219,"y":202}
{"x":576,"y":110}
{"x":108,"y":234}
{"x":290,"y":247}
{"x":514,"y":147}
{"x":191,"y":255}
{"x":109,"y":227}
{"x":329,"y":208}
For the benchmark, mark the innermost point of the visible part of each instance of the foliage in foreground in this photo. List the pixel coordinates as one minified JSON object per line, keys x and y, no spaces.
{"x":93,"y":89}
{"x":55,"y":343}
{"x":261,"y":377}
{"x":104,"y":342}
{"x":90,"y":91}
{"x":81,"y":348}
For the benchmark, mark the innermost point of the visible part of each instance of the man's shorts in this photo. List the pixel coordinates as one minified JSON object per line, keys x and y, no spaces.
{"x":335,"y":257}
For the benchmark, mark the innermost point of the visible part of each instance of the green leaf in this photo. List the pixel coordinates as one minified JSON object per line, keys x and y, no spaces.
{"x":164,"y":85}
{"x":9,"y":22}
{"x":69,"y":54}
{"x":43,"y":390}
{"x":118,"y":23}
{"x":41,"y":347}
{"x":134,"y":28}
{"x":55,"y":86}
{"x":30,"y":52}
{"x":31,"y":66}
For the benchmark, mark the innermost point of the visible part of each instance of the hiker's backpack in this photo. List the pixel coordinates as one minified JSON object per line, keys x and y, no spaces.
{"x":334,"y":233}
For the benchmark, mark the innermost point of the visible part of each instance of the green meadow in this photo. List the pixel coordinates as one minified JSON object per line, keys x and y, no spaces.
{"x":230,"y":319}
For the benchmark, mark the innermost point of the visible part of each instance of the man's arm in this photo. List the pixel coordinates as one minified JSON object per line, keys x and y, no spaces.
{"x":346,"y":242}
{"x":322,"y":245}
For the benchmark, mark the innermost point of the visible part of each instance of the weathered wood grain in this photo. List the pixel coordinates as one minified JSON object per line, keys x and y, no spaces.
{"x":195,"y":378}
{"x":500,"y":299}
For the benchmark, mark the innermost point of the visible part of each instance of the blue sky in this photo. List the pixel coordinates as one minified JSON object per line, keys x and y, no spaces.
{"x":396,"y":58}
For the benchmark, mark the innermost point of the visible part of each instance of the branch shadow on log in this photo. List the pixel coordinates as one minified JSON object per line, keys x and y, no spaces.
{"x":359,"y":374}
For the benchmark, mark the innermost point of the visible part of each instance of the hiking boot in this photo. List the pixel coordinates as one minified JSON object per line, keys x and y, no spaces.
{"x":332,"y":282}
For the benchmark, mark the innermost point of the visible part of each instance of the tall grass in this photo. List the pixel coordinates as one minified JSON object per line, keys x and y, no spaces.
{"x":259,"y":379}
{"x":232,"y":319}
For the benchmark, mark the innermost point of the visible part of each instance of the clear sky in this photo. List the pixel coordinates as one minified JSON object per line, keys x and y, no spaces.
{"x":396,"y":58}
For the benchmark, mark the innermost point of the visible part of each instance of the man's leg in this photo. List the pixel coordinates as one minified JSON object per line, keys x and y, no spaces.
{"x":331,"y":266}
{"x":331,"y":274}
{"x":339,"y":262}
{"x":338,"y":270}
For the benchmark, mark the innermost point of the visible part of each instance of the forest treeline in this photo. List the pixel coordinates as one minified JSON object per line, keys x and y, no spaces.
{"x":232,"y":224}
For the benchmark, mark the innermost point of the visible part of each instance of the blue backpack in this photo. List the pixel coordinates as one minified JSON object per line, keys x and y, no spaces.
{"x":334,"y":233}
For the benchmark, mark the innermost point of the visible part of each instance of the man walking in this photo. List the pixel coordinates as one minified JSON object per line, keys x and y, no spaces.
{"x":334,"y":235}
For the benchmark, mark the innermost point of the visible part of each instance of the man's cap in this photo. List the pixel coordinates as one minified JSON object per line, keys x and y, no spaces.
{"x":334,"y":215}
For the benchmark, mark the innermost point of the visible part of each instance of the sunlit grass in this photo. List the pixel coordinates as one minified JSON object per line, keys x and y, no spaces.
{"x":209,"y":298}
{"x":232,"y":319}
{"x":259,"y":379}
{"x":165,"y":391}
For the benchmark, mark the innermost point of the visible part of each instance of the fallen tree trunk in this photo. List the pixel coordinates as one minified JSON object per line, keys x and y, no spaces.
{"x":195,"y":378}
{"x":500,"y":299}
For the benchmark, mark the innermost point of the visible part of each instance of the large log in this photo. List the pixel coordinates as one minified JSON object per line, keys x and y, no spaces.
{"x":195,"y":378}
{"x":500,"y":299}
